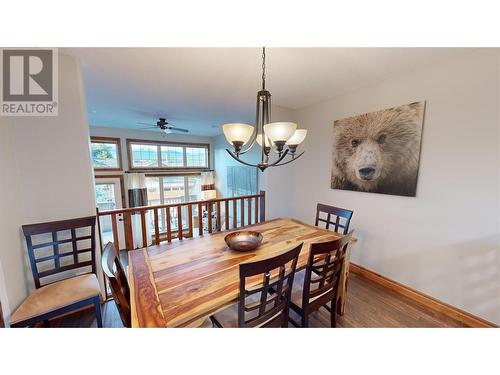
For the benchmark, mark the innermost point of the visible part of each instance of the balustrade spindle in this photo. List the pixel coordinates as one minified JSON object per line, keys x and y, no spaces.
{"x":190,"y":220}
{"x":169,"y":224}
{"x":143,"y":228}
{"x":210,"y":217}
{"x":256,"y":210}
{"x":249,"y":211}
{"x":200,"y":219}
{"x":235,"y":213}
{"x":242,"y":212}
{"x":179,"y":222}
{"x":218,"y":216}
{"x":157,"y":229}
{"x":226,"y":212}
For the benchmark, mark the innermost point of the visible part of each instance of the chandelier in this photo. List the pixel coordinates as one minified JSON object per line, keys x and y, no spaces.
{"x":280,"y":138}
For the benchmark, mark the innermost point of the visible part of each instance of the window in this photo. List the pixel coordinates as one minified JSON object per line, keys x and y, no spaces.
{"x":106,"y":153}
{"x":172,"y":156}
{"x":241,"y":180}
{"x":196,"y":156}
{"x":174,"y":189}
{"x":155,"y":155}
{"x":144,"y":156}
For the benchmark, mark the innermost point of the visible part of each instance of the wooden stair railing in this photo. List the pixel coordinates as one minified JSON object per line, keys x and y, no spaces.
{"x":225,"y":212}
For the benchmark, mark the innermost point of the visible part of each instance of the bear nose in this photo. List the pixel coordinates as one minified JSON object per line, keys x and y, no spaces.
{"x":366,"y":172}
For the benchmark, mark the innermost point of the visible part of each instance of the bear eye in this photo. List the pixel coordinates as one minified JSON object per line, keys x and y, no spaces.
{"x":381,"y":139}
{"x":355,"y":142}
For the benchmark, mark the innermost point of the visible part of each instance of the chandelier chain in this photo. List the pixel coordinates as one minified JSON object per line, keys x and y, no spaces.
{"x":263,"y":68}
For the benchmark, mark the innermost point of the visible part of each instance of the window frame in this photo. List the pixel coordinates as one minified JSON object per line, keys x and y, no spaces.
{"x":117,"y":141}
{"x":131,"y":141}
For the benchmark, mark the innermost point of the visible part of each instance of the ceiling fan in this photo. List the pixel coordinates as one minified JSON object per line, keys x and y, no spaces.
{"x":163,"y":125}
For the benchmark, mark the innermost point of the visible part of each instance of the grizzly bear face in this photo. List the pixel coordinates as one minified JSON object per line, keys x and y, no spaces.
{"x":378,"y":151}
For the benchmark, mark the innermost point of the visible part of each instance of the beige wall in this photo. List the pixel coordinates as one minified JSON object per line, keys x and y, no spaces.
{"x":446,"y":241}
{"x":51,"y":159}
{"x":13,"y":285}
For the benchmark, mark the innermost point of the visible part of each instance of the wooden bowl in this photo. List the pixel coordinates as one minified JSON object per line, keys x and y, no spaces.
{"x":245,"y":240}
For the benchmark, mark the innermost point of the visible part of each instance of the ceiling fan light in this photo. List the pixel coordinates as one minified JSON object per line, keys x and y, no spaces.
{"x":237,"y":132}
{"x":280,"y":131}
{"x":297,"y":138}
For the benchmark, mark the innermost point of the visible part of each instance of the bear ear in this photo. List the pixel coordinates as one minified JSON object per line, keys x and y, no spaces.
{"x":412,"y":107}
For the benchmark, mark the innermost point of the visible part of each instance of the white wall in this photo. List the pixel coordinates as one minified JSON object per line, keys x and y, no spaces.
{"x":271,"y":180}
{"x":446,"y":241}
{"x":51,"y":159}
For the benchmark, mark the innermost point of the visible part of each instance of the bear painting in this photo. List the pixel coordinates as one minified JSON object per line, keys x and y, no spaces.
{"x":379,"y":152}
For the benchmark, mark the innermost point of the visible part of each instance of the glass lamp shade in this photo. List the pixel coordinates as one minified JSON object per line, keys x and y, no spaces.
{"x":259,"y":141}
{"x":280,"y":131}
{"x":297,"y":138}
{"x":237,"y":132}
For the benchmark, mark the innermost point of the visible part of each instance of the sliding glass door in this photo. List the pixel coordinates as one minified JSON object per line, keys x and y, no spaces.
{"x":171,"y":189}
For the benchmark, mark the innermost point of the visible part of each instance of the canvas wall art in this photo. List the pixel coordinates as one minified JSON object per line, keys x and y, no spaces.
{"x":379,"y":152}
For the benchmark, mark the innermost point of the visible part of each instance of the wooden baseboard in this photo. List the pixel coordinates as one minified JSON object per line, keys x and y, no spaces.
{"x":461,"y":316}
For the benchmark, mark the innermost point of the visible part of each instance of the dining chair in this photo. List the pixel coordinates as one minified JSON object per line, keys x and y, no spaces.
{"x":267,"y":303}
{"x":61,"y":246}
{"x":2,"y":324}
{"x":320,"y":284}
{"x":337,"y":213}
{"x":117,"y":277}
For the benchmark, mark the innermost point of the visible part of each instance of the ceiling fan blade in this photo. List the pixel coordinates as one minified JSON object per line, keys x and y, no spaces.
{"x":179,"y":130}
{"x":145,"y":123}
{"x":151,"y":127}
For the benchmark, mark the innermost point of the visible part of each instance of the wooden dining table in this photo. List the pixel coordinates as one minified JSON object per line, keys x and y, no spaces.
{"x":182,"y":283}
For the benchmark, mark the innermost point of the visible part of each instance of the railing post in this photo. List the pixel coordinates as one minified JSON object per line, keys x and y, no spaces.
{"x":127,"y":225}
{"x":262,"y":206}
{"x":114,"y":226}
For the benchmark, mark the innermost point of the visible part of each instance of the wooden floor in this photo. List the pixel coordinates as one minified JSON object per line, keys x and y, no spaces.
{"x":369,"y":305}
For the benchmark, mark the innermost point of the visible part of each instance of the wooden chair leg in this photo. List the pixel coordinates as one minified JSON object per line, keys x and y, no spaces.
{"x":98,"y":315}
{"x":333,"y":318}
{"x":333,"y":313}
{"x":305,"y":320}
{"x":215,"y":322}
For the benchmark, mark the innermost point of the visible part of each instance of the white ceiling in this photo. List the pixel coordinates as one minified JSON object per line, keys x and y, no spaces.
{"x":202,"y":88}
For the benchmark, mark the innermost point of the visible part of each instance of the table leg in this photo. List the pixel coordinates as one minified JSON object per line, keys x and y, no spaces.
{"x":344,"y":278}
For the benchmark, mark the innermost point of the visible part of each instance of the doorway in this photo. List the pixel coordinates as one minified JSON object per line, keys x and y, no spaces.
{"x":110,"y":195}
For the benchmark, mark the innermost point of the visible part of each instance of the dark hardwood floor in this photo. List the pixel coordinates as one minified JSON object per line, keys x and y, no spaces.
{"x":368,"y":305}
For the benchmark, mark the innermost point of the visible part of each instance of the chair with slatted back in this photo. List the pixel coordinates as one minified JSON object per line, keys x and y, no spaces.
{"x":338,"y":214}
{"x":2,"y":324}
{"x":56,"y":293}
{"x":118,"y":281}
{"x":258,"y":306}
{"x":321,"y":280}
